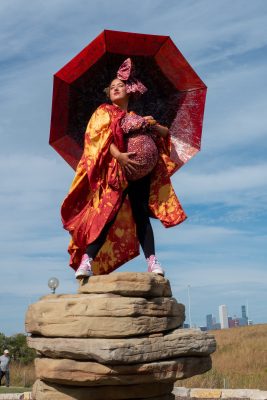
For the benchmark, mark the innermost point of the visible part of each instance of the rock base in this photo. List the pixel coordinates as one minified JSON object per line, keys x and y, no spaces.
{"x":122,"y":343}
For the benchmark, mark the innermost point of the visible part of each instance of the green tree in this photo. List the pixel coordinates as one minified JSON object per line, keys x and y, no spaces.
{"x":3,"y":342}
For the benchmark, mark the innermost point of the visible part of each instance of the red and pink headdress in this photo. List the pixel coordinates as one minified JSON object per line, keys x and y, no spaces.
{"x":126,"y":73}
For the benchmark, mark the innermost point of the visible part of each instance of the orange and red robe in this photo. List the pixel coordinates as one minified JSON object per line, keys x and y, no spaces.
{"x":96,"y":195}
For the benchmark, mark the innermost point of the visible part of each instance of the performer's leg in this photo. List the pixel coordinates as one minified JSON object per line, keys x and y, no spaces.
{"x":94,"y":247}
{"x":139,"y":198}
{"x":138,"y":192}
{"x":85,"y":268}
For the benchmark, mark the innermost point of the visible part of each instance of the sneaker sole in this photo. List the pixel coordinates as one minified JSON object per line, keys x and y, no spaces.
{"x":158,"y":272}
{"x":81,"y":275}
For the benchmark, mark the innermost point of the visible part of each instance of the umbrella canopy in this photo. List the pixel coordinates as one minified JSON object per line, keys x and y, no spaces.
{"x":175,"y":96}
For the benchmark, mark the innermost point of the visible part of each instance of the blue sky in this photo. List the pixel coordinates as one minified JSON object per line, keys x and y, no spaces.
{"x":220,"y":251}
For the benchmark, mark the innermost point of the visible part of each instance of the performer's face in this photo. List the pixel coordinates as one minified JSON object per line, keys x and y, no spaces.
{"x":117,"y":91}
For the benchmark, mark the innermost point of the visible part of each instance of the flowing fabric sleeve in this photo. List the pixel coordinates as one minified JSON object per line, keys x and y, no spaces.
{"x":163,"y":202}
{"x":87,"y":177}
{"x":95,"y":197}
{"x":98,"y":137}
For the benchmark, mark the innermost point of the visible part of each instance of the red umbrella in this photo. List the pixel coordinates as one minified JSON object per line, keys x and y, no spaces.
{"x":175,"y":96}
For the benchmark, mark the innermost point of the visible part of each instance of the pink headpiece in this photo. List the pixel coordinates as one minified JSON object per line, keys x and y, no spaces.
{"x":126,"y":73}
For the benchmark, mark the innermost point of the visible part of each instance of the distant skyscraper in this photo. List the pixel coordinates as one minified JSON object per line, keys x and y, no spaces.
{"x":244,"y":315}
{"x":244,"y":318}
{"x":209,"y":321}
{"x":223,"y":314}
{"x":231,"y":322}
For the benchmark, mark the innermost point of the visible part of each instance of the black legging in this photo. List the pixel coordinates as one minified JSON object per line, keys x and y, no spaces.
{"x":138,"y":192}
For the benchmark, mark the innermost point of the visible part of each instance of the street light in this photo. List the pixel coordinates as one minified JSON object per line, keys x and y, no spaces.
{"x":53,"y":284}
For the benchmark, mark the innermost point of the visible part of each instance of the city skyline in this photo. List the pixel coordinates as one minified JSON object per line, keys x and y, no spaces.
{"x":226,"y":320}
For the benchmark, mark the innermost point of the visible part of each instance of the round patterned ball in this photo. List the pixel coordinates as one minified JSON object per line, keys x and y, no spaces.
{"x":146,"y":154}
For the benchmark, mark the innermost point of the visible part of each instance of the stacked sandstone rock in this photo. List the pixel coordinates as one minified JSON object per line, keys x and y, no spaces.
{"x":119,"y":338}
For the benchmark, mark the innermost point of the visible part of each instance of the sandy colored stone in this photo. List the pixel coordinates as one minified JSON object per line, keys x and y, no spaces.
{"x":87,"y":373}
{"x":102,"y":315}
{"x":104,"y":305}
{"x":27,"y":396}
{"x":48,"y":391}
{"x":205,"y":393}
{"x":130,"y":284}
{"x":180,"y":342}
{"x":181,"y":392}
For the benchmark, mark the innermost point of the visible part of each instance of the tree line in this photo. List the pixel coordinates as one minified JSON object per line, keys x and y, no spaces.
{"x":18,"y":348}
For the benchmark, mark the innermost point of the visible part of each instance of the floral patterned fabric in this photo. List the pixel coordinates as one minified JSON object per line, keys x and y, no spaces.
{"x":126,"y":73}
{"x":96,"y":195}
{"x":133,"y":122}
{"x":139,"y":138}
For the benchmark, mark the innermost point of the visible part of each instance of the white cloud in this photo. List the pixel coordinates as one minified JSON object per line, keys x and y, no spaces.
{"x":240,"y":185}
{"x":236,"y":105}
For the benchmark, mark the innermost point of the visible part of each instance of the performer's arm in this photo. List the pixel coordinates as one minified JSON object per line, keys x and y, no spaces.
{"x":160,"y":129}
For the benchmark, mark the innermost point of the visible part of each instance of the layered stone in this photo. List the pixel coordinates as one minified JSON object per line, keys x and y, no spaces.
{"x":102,"y":315}
{"x":152,"y":391}
{"x":178,"y":343}
{"x":86,"y":373}
{"x":129,"y":284}
{"x":117,"y":339}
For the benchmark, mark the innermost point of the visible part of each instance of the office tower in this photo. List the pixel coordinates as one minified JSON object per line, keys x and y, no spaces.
{"x":244,"y":312}
{"x":223,"y":314}
{"x":244,"y":319}
{"x":209,"y":321}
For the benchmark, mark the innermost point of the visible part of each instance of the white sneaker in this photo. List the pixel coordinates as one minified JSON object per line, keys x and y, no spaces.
{"x":85,"y":268}
{"x":154,"y":265}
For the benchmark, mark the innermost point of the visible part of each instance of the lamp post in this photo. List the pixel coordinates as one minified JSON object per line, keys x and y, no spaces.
{"x":189,"y":305}
{"x":53,"y":284}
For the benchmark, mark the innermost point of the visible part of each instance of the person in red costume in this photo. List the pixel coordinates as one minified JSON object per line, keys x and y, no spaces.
{"x":121,"y":180}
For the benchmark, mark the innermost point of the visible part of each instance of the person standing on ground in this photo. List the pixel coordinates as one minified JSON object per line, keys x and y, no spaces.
{"x":4,"y":367}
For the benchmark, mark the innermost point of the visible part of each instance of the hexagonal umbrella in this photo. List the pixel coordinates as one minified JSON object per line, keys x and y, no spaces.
{"x":175,"y":96}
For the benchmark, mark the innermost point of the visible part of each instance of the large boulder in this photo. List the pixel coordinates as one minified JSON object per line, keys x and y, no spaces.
{"x":102,"y":315}
{"x":88,"y":373}
{"x":177,"y":343}
{"x":129,"y":284}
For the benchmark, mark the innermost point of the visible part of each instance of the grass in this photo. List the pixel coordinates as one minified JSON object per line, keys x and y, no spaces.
{"x":22,"y":378}
{"x":240,"y":361}
{"x":13,"y":389}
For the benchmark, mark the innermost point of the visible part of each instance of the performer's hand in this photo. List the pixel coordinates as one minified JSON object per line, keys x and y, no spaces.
{"x":151,"y":120}
{"x":127,"y":163}
{"x":161,"y":130}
